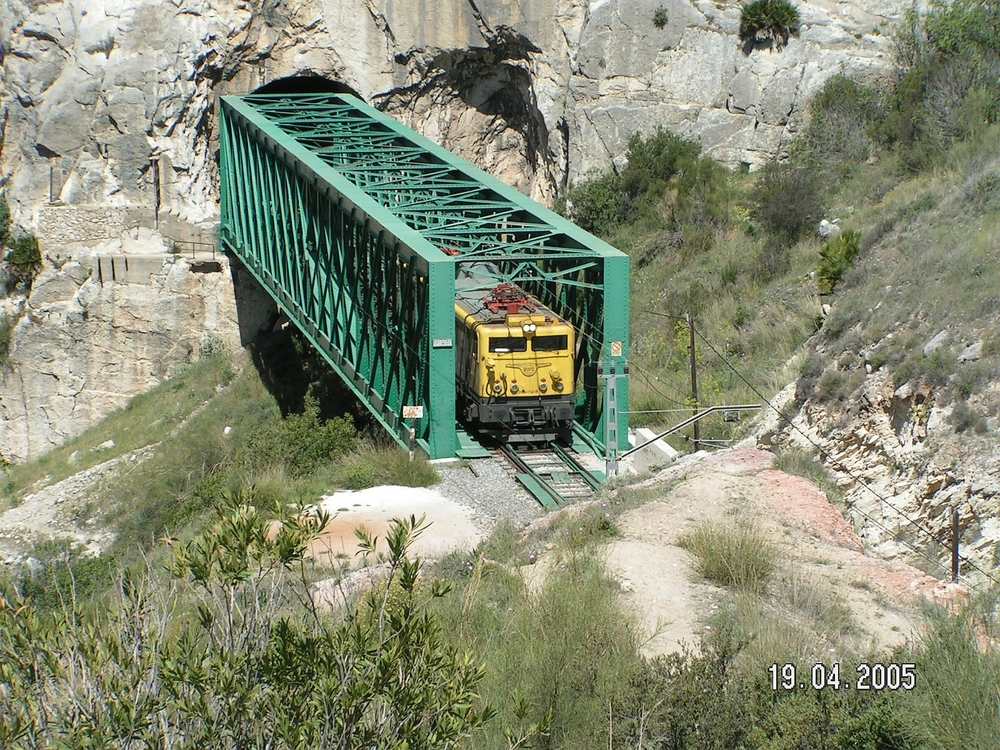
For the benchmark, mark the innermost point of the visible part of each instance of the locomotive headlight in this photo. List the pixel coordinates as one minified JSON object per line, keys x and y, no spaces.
{"x":529,"y":328}
{"x":543,"y":386}
{"x":514,"y":388}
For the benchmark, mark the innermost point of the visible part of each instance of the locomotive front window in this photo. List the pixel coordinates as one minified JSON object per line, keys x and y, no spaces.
{"x":507,"y":344}
{"x":548,"y":343}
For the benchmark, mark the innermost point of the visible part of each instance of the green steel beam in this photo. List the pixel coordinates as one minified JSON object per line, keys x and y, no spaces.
{"x":343,"y":215}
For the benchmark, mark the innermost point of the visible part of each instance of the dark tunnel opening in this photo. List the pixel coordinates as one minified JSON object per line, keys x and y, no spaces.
{"x":306,"y":84}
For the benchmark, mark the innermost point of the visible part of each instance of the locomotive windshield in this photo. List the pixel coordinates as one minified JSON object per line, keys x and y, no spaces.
{"x":548,"y":343}
{"x":507,"y":344}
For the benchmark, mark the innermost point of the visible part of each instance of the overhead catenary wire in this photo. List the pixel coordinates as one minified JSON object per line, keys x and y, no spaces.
{"x":839,"y":465}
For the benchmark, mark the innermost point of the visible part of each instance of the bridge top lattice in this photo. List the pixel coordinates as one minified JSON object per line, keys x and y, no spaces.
{"x":459,"y":211}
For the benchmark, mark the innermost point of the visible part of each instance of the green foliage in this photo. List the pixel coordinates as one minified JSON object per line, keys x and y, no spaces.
{"x":302,"y":443}
{"x":598,"y":204}
{"x":252,"y":664}
{"x":732,"y":555}
{"x":4,"y":222}
{"x":24,"y":259}
{"x":660,"y":17}
{"x":554,"y":658}
{"x":948,"y":85}
{"x":656,"y":162}
{"x":768,"y":20}
{"x":787,"y":200}
{"x":964,"y":418}
{"x":835,"y":258}
{"x":6,"y":333}
{"x":841,"y":131}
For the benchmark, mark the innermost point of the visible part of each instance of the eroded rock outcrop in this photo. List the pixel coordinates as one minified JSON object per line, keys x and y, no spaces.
{"x":901,"y":466}
{"x":101,"y":95}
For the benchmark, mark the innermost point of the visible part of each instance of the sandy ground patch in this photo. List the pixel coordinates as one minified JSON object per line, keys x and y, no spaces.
{"x":452,"y":525}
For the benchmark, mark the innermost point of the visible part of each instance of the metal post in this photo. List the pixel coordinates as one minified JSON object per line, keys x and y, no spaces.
{"x":52,"y":182}
{"x":954,"y":545}
{"x":610,"y":419}
{"x":695,"y":428}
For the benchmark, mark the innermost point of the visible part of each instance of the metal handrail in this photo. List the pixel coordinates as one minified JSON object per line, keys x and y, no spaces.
{"x":690,"y":420}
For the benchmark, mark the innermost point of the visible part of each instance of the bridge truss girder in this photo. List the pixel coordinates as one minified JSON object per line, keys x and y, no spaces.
{"x":343,"y":216}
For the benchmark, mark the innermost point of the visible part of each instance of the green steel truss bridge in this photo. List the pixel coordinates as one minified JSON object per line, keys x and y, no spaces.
{"x":357,"y":227}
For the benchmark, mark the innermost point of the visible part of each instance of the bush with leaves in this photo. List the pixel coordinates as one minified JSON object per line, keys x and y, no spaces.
{"x":787,"y":200}
{"x":841,"y":132}
{"x":24,"y":259}
{"x":948,"y":79}
{"x":835,"y":257}
{"x":4,"y":222}
{"x":768,"y":21}
{"x":253,"y":663}
{"x":660,"y":17}
{"x":301,"y":443}
{"x":665,"y":175}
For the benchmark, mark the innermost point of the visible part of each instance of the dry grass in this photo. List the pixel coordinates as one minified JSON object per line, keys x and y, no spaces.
{"x":736,"y":555}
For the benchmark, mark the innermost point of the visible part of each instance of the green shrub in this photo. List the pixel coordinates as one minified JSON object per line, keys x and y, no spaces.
{"x":787,"y":201}
{"x":601,"y":203}
{"x":301,"y":443}
{"x":6,"y":334}
{"x":660,"y":17}
{"x":948,"y":84}
{"x":555,"y":658}
{"x":964,"y":418}
{"x":835,"y":257}
{"x":738,"y":556}
{"x":768,"y":20}
{"x":4,"y":222}
{"x":598,"y":203}
{"x":245,"y":660}
{"x":24,"y":259}
{"x":843,"y":116}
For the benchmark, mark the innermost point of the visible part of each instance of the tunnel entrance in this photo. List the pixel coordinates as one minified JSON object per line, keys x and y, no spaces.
{"x":306,"y":84}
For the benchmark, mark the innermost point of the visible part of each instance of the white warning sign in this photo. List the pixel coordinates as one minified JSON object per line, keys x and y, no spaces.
{"x":413,"y":412}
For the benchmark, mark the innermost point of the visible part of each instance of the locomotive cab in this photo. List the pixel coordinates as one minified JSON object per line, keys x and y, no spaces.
{"x":515,"y":365}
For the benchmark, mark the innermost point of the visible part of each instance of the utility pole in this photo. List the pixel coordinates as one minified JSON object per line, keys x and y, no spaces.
{"x":954,"y":545}
{"x":695,"y":429}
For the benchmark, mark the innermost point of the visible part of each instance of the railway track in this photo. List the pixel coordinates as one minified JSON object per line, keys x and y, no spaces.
{"x":551,"y":473}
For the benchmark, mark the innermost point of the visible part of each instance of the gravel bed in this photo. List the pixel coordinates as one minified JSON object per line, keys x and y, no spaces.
{"x":486,"y":487}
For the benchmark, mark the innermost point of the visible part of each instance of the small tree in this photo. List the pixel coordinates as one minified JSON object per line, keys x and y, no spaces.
{"x":787,"y":201}
{"x":660,"y":17}
{"x":24,"y":259}
{"x":768,"y":21}
{"x":835,"y":258}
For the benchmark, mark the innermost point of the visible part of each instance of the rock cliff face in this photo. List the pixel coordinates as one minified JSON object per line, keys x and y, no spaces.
{"x":106,"y":95}
{"x":97,"y":330}
{"x":108,"y":123}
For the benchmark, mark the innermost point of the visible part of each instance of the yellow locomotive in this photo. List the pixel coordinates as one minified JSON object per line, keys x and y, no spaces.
{"x":515,"y":362}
